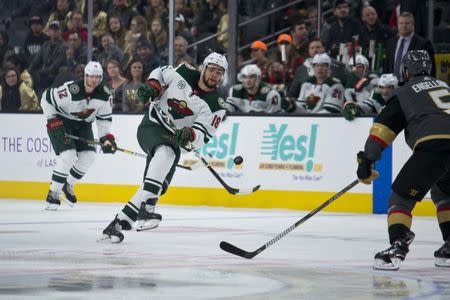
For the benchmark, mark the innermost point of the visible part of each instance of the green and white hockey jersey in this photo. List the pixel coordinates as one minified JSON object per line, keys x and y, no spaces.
{"x":361,"y":91}
{"x":70,"y":101}
{"x":184,"y":104}
{"x":327,"y":97}
{"x":265,"y":100}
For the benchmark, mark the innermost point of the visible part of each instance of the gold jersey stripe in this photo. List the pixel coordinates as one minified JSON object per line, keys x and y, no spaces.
{"x":399,"y":218}
{"x":432,"y":137}
{"x":383,"y":132}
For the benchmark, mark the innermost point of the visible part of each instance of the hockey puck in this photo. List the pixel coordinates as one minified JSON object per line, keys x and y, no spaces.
{"x":238,"y":160}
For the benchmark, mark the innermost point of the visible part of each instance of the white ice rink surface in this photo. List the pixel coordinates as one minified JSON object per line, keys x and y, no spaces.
{"x":54,"y":255}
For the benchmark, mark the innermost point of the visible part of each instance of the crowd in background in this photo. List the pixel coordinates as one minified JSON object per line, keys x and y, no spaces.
{"x":131,"y":39}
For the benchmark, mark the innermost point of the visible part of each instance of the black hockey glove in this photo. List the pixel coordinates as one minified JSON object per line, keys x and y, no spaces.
{"x":288,"y":104}
{"x":57,"y":131}
{"x":108,"y":144}
{"x":351,"y":110}
{"x":184,"y":136}
{"x":366,"y":174}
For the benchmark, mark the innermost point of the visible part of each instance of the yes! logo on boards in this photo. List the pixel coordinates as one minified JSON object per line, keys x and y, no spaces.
{"x":289,"y":152}
{"x":220,"y":150}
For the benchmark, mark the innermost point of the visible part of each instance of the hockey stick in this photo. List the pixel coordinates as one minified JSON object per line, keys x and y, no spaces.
{"x":249,"y":255}
{"x":231,"y":190}
{"x":94,"y":142}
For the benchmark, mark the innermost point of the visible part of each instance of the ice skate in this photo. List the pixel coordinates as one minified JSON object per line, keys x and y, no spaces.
{"x":69,"y":194}
{"x":112,"y":232}
{"x":147,"y":218}
{"x":52,"y":201}
{"x":442,"y":255}
{"x":392,"y":257}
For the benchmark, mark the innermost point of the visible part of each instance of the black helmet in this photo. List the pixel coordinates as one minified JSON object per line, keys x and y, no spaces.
{"x":418,"y":62}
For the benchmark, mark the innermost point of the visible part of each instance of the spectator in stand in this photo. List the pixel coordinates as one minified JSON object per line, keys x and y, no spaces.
{"x":76,"y":51}
{"x":270,"y":73}
{"x":135,"y":78}
{"x":108,"y":50}
{"x":123,"y":9}
{"x":312,"y":29}
{"x":115,"y":83}
{"x":45,"y":65}
{"x":144,"y":52}
{"x":209,"y":16}
{"x":223,"y":24}
{"x":76,"y":21}
{"x":153,"y":9}
{"x":138,"y":29}
{"x":100,"y":19}
{"x":299,"y":34}
{"x":182,"y":30}
{"x":180,"y":49}
{"x":290,"y":60}
{"x":320,"y":93}
{"x":344,"y":29}
{"x":117,"y":30}
{"x":252,"y":95}
{"x":18,"y":62}
{"x":186,"y":11}
{"x":35,"y":38}
{"x":6,"y":50}
{"x":406,"y":40}
{"x":373,"y":30}
{"x":79,"y":72}
{"x":15,"y":96}
{"x":158,"y":37}
{"x":61,"y":14}
{"x":201,"y":51}
{"x":359,"y":89}
{"x":306,"y":70}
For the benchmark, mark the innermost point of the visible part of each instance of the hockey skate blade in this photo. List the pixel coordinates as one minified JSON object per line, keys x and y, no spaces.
{"x":142,"y":225}
{"x":394,"y":265}
{"x":52,"y":207}
{"x":71,"y":204}
{"x":442,"y":262}
{"x":109,"y":239}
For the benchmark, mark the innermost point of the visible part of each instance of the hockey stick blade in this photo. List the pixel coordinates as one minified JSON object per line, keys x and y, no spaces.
{"x":249,"y":255}
{"x":225,"y":246}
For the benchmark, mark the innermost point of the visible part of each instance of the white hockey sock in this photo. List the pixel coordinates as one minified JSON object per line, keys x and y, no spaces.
{"x":130,"y":211}
{"x":63,"y":163}
{"x":81,"y":166}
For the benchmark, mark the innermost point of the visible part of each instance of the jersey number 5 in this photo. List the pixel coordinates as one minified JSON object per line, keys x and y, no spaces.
{"x":441,"y":98}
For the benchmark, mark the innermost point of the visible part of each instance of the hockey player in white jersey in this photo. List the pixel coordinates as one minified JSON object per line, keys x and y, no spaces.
{"x":321,"y":93}
{"x":71,"y":109}
{"x":359,"y":91}
{"x":380,"y":94}
{"x":185,"y":111}
{"x":252,"y":95}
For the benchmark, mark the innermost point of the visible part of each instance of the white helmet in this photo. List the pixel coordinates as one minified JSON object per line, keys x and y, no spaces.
{"x":249,"y":70}
{"x":94,"y":68}
{"x":360,"y":60}
{"x":217,"y":59}
{"x":388,"y":80}
{"x":321,"y":58}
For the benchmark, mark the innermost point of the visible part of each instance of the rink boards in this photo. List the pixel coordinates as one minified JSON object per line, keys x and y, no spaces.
{"x":299,"y":162}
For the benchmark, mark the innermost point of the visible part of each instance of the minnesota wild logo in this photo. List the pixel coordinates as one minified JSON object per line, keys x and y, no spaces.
{"x":179,"y":109}
{"x":84,"y":114}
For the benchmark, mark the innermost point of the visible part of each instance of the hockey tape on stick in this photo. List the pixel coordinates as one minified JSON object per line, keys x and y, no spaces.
{"x":249,"y":255}
{"x":95,"y":142}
